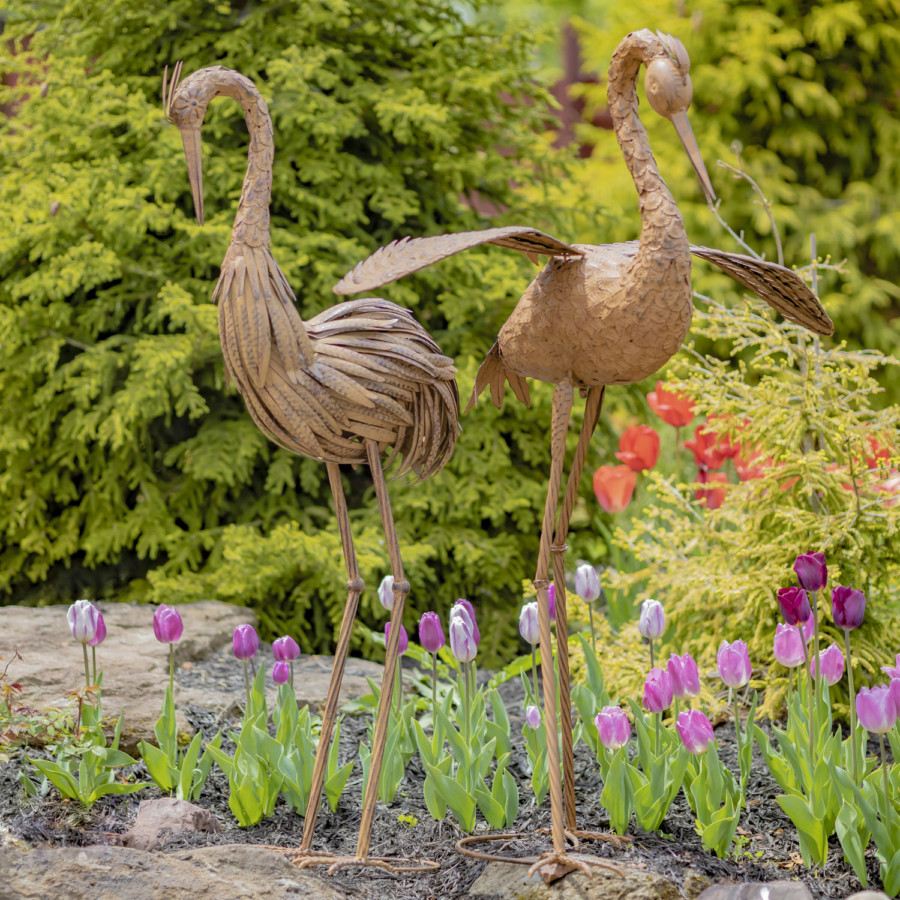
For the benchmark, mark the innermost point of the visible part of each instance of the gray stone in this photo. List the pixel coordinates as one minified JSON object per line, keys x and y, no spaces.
{"x":869,"y":895}
{"x":166,"y":814}
{"x":769,"y":890}
{"x":508,"y":881}
{"x":236,"y":872}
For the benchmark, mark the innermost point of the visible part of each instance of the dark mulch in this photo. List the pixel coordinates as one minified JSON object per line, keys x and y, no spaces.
{"x":768,"y":850}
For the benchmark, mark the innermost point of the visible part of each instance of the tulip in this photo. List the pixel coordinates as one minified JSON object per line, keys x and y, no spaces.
{"x":614,"y":727}
{"x":639,"y":448}
{"x":464,"y":607}
{"x":587,"y":583}
{"x":528,"y":623}
{"x":244,"y":644}
{"x":386,"y":592}
{"x":652,"y":622}
{"x":462,"y":641}
{"x":403,"y":644}
{"x":167,"y":624}
{"x":100,"y":634}
{"x":684,"y":676}
{"x":673,"y":408}
{"x":812,"y":573}
{"x":750,"y":466}
{"x":431,"y":635}
{"x":848,"y":607}
{"x":657,"y":691}
{"x":794,"y":605}
{"x":285,"y":649}
{"x":892,"y":671}
{"x":281,"y":672}
{"x":82,"y":618}
{"x":551,"y":601}
{"x":894,"y":693}
{"x":695,"y":731}
{"x":878,"y":454}
{"x":533,"y":717}
{"x":734,"y":663}
{"x":614,"y":486}
{"x":876,"y":709}
{"x":788,"y":647}
{"x":705,"y":447}
{"x":711,"y":498}
{"x":831,"y":665}
{"x":728,"y":447}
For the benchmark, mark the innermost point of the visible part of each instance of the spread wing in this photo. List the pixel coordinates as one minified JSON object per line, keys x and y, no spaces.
{"x":785,"y":291}
{"x":409,"y":255}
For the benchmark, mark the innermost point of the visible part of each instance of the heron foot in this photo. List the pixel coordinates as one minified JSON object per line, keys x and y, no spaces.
{"x":305,"y":859}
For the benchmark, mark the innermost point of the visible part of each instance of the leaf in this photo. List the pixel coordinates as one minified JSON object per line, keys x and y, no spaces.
{"x":813,"y":839}
{"x":455,"y":796}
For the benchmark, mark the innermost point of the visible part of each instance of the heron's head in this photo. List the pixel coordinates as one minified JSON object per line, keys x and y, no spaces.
{"x":185,"y":103}
{"x":669,"y":92}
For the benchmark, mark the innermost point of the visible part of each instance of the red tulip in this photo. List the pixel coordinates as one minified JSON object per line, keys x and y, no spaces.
{"x":707,"y":451}
{"x":727,"y":447}
{"x":614,"y":486}
{"x":639,"y":448}
{"x":749,"y":465}
{"x":674,"y":409}
{"x":878,"y":453}
{"x":712,"y":497}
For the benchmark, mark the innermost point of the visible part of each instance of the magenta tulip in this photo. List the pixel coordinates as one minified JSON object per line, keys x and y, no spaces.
{"x":657,"y":691}
{"x":100,"y":633}
{"x":281,"y":672}
{"x":794,"y":605}
{"x":876,"y":709}
{"x":652,"y":622}
{"x":734,"y":663}
{"x":788,"y":646}
{"x":528,"y":624}
{"x":831,"y":664}
{"x":167,"y":624}
{"x":431,"y":635}
{"x":244,"y":642}
{"x":811,"y":570}
{"x":285,"y":649}
{"x":551,"y":601}
{"x":848,"y":607}
{"x":613,"y":726}
{"x":695,"y":730}
{"x":684,"y":675}
{"x":533,"y":717}
{"x":809,"y":629}
{"x":82,"y":618}
{"x":403,"y":645}
{"x":894,"y":694}
{"x":892,"y":671}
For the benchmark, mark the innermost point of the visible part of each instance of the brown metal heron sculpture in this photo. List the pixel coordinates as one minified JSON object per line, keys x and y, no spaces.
{"x":343,"y":387}
{"x":597,"y":316}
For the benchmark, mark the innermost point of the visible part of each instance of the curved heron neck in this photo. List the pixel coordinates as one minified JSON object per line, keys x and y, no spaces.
{"x":661,"y":222}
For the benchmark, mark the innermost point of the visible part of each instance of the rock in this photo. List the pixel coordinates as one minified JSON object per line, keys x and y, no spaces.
{"x":509,"y":881}
{"x":238,"y":872}
{"x":167,"y":814}
{"x":869,"y":895}
{"x":770,"y":890}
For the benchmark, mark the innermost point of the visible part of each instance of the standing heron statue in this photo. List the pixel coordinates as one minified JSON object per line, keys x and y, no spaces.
{"x":597,"y":316}
{"x":343,"y":387}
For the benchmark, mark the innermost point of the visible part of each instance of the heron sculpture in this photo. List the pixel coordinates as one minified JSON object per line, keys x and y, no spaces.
{"x":597,"y":316}
{"x":343,"y":387}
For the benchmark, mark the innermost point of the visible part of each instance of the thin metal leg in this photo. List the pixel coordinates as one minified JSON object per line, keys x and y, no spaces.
{"x":354,"y":589}
{"x":401,"y":589}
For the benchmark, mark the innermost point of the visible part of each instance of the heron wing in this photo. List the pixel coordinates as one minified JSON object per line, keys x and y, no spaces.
{"x":409,"y":255}
{"x":785,"y":291}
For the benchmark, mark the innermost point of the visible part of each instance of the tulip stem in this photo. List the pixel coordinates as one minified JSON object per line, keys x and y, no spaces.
{"x":817,"y":678}
{"x":809,"y":684}
{"x":537,"y":696}
{"x":737,"y":721}
{"x":87,"y":670}
{"x":852,"y":707}
{"x":172,"y":669}
{"x":292,"y":676}
{"x":658,"y":717}
{"x":246,"y":687}
{"x":593,"y":633}
{"x":434,"y":691}
{"x":94,"y":664}
{"x":399,"y":686}
{"x":887,"y":787}
{"x":651,"y":652}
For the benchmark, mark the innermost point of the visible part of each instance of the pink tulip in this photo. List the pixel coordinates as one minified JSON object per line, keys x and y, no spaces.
{"x":167,"y":624}
{"x":876,"y":709}
{"x":892,"y":671}
{"x":533,"y":717}
{"x":614,"y":727}
{"x":285,"y":649}
{"x":281,"y":672}
{"x":657,"y":691}
{"x":684,"y":675}
{"x":734,"y":663}
{"x":403,"y":645}
{"x":100,"y":633}
{"x":431,"y":635}
{"x":831,"y":664}
{"x":244,"y":642}
{"x":788,"y":646}
{"x":695,"y":730}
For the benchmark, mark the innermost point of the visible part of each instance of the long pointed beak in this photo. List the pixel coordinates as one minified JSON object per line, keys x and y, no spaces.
{"x":191,"y":139}
{"x":683,"y":127}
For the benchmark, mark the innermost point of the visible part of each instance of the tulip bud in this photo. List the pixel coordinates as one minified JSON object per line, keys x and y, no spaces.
{"x":281,"y":672}
{"x":82,"y":619}
{"x":695,"y":730}
{"x":657,"y":691}
{"x":167,"y":624}
{"x":100,"y":633}
{"x":587,"y":584}
{"x":831,"y":664}
{"x":529,"y":626}
{"x":848,"y":607}
{"x":788,"y":646}
{"x":794,"y":605}
{"x":285,"y":649}
{"x":431,"y":635}
{"x":464,"y":608}
{"x":734,"y":663}
{"x":244,"y":643}
{"x":812,"y":573}
{"x":653,"y":619}
{"x":684,"y":676}
{"x":403,"y":646}
{"x":876,"y":709}
{"x":533,"y":717}
{"x":386,"y":592}
{"x":613,"y":726}
{"x":462,"y":641}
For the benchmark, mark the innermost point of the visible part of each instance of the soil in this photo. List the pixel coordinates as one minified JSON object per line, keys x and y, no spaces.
{"x":766,"y":850}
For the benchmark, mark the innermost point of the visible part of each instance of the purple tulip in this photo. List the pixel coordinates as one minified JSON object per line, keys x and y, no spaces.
{"x":532,"y":717}
{"x":892,"y":671}
{"x":469,"y":611}
{"x":431,"y":635}
{"x":462,"y":641}
{"x":831,"y":664}
{"x":684,"y":675}
{"x":734,"y":663}
{"x":386,"y":592}
{"x":244,"y":643}
{"x":695,"y":730}
{"x":529,"y":627}
{"x":587,"y":584}
{"x":653,"y":619}
{"x":285,"y":649}
{"x":788,"y":646}
{"x":614,"y":727}
{"x":100,"y":633}
{"x":894,"y":694}
{"x":82,"y":619}
{"x":403,"y":645}
{"x":657,"y":691}
{"x":167,"y":624}
{"x":876,"y":709}
{"x":812,"y":573}
{"x":551,"y":601}
{"x":848,"y":607}
{"x":281,"y":672}
{"x":809,"y":629}
{"x":794,"y":605}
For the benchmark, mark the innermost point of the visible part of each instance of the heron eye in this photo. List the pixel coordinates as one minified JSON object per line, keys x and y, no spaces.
{"x":193,"y":102}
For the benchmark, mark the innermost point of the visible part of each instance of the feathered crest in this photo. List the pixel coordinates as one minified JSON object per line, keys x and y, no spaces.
{"x":168,"y":88}
{"x":676,"y":50}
